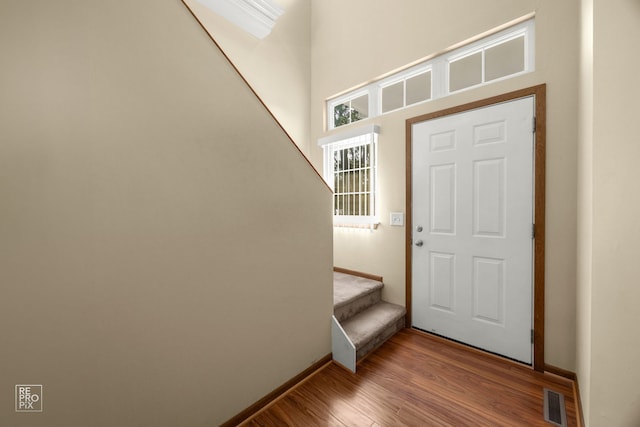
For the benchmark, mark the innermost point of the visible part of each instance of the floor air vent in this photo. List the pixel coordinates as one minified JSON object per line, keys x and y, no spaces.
{"x":554,"y":411}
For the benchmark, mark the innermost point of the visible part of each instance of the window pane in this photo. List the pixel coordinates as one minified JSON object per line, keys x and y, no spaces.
{"x":352,"y":182}
{"x":345,"y":182}
{"x":367,"y":211}
{"x":341,"y":113}
{"x":356,"y":181}
{"x":344,"y":160}
{"x":367,"y":156}
{"x":419,"y":88}
{"x":465,"y":72}
{"x":337,"y":163}
{"x":393,"y":97}
{"x":504,"y":59}
{"x":364,"y":180}
{"x":356,"y":157}
{"x":360,"y":108}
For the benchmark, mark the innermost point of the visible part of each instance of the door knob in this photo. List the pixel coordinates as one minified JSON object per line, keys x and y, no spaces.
{"x":419,"y":228}
{"x":419,"y":243}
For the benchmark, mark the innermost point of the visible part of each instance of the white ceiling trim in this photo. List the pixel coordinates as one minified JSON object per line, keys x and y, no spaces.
{"x":257,"y":17}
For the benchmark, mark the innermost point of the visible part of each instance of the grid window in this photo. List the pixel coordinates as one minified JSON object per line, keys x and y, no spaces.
{"x":350,"y":169}
{"x":352,"y":180}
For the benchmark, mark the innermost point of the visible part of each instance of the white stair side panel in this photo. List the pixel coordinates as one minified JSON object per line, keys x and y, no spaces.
{"x":344,"y":352}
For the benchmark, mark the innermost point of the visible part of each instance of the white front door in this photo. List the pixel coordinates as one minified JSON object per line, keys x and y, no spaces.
{"x":472,"y":227}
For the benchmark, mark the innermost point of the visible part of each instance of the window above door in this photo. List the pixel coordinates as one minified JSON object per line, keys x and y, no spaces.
{"x":501,"y":55}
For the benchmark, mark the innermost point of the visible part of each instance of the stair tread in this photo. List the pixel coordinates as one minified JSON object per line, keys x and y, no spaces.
{"x":348,"y":288}
{"x":364,"y":326}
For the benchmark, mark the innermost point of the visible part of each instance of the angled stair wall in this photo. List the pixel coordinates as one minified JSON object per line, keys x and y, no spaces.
{"x":155,"y":222}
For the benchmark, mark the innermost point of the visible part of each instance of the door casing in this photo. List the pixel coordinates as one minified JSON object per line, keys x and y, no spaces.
{"x":539,"y":93}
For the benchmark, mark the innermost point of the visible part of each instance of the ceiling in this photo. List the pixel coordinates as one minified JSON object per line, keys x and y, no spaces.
{"x":257,"y":17}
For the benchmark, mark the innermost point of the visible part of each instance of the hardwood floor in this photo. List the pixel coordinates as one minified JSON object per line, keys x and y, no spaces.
{"x":416,"y":379}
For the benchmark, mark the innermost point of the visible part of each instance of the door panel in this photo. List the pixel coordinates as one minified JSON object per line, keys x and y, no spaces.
{"x":473,"y":202}
{"x":441,"y":281}
{"x":489,"y":198}
{"x":443,"y":209}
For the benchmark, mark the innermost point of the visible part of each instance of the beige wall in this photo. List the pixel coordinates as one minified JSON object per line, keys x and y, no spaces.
{"x":369,"y":38}
{"x":165,"y":251}
{"x":610,"y":372}
{"x":278,"y":67}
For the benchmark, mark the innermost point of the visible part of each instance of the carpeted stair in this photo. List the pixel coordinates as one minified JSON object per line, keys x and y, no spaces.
{"x":365,"y":318}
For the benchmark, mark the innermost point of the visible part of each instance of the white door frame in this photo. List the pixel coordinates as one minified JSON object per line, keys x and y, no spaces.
{"x":539,"y":94}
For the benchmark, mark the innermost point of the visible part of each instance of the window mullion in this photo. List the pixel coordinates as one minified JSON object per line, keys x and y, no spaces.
{"x":404,"y":93}
{"x":349,"y":197}
{"x":373,"y":164}
{"x":361,"y":149}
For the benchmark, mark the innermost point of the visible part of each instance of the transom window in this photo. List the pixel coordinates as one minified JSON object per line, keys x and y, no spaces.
{"x":408,"y":90}
{"x":501,"y":58}
{"x":350,"y":169}
{"x":351,"y":109}
{"x":504,"y":54}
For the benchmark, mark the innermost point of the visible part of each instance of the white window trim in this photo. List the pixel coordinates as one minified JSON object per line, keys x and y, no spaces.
{"x":439,"y":67}
{"x":343,"y":140}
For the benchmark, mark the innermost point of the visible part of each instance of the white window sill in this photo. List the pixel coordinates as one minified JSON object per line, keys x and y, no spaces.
{"x":369,"y":226}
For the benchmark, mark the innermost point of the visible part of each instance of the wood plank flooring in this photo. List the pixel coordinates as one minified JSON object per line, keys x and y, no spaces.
{"x":416,"y":379}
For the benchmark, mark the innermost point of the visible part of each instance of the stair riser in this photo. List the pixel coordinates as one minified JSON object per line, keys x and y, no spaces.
{"x":380,"y":338}
{"x":354,"y":307}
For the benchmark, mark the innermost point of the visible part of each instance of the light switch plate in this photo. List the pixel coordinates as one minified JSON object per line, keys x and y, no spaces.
{"x":397,"y":219}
